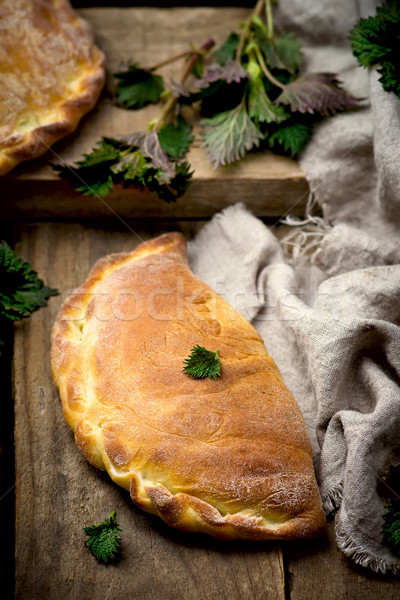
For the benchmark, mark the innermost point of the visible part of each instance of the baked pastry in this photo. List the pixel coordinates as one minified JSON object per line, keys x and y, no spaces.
{"x":51,"y":74}
{"x":229,"y":457}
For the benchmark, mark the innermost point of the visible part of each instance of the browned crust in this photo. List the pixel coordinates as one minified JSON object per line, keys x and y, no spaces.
{"x":291,"y":507}
{"x":39,"y":140}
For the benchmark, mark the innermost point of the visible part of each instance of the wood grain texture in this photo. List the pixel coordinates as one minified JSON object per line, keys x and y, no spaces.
{"x":318,"y":569}
{"x":271,"y":185}
{"x":58,"y":492}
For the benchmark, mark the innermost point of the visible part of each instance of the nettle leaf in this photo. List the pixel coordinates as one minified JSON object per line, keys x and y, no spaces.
{"x":228,"y":135}
{"x":228,"y":49}
{"x":316,"y":92}
{"x":21,"y":291}
{"x":390,"y":77}
{"x":91,"y":175}
{"x":261,"y":107}
{"x":291,"y":138}
{"x":175,"y":138}
{"x":103,"y":540}
{"x":375,"y":38}
{"x":138,"y":87}
{"x":131,"y":165}
{"x":202,"y":363}
{"x":169,"y":191}
{"x":150,"y":146}
{"x":230,"y":72}
{"x":367,"y":46}
{"x":283,"y":52}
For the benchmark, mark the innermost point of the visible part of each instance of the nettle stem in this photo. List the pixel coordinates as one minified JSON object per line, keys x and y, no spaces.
{"x":171,"y":102}
{"x":266,"y":71}
{"x":269,"y":19}
{"x":256,"y":13}
{"x":173,"y":59}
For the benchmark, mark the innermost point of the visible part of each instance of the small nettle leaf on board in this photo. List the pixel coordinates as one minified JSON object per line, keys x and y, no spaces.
{"x":103,"y":540}
{"x":250,"y":95}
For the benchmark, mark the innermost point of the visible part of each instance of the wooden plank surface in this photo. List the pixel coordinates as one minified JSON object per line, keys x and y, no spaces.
{"x":270,"y":185}
{"x":58,"y":492}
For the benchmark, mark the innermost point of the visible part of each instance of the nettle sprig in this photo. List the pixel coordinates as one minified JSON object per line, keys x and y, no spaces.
{"x":376,"y":41}
{"x":250,"y":95}
{"x":153,"y":159}
{"x":103,"y":540}
{"x":21,"y":290}
{"x":202,"y":363}
{"x":273,"y":106}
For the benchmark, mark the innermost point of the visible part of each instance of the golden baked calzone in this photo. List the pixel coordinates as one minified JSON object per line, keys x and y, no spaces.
{"x":229,"y":457}
{"x":51,"y":74}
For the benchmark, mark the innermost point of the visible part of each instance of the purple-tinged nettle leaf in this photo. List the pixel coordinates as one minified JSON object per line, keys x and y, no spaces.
{"x":316,"y":92}
{"x":230,"y":72}
{"x":150,"y":147}
{"x":228,"y":135}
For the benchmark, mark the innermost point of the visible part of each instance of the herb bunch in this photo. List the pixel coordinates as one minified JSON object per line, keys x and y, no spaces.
{"x":376,"y":41}
{"x":250,"y":96}
{"x":21,"y":290}
{"x":153,"y":159}
{"x":272,"y":105}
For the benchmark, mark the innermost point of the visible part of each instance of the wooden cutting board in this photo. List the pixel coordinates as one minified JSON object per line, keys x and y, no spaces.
{"x":270,"y":185}
{"x":58,"y":492}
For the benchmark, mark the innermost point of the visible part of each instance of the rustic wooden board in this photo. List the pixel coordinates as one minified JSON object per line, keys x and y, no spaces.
{"x":58,"y":492}
{"x":270,"y":185}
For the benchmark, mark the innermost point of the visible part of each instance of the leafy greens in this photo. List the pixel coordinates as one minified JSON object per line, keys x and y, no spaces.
{"x":376,"y":41}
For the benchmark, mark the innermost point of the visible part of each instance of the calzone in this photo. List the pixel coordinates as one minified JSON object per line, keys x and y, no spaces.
{"x":229,"y":457}
{"x":51,"y":74}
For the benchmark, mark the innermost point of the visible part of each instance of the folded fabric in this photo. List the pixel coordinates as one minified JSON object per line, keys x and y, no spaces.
{"x":337,"y":344}
{"x":352,"y":161}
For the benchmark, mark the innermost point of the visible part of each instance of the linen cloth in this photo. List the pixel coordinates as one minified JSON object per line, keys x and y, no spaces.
{"x":332,"y":327}
{"x":337,"y":345}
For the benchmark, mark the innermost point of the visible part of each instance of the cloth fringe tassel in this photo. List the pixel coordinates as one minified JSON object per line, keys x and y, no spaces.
{"x":307,"y":233}
{"x":363,"y":556}
{"x":332,"y":499}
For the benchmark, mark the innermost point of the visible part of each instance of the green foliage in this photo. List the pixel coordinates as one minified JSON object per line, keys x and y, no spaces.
{"x":175,"y":138}
{"x":228,"y":49}
{"x":249,"y":92}
{"x":316,"y":92}
{"x":202,"y":363}
{"x":138,"y":87}
{"x":284,"y":52}
{"x":291,"y":137}
{"x":376,"y":41}
{"x":104,"y":540}
{"x":391,"y":526}
{"x":138,"y":160}
{"x":21,"y":291}
{"x":228,"y":135}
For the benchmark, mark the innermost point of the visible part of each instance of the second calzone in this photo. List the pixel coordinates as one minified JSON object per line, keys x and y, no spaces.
{"x":229,"y":457}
